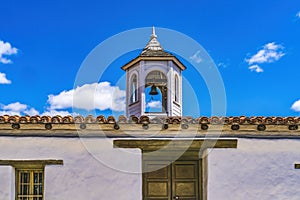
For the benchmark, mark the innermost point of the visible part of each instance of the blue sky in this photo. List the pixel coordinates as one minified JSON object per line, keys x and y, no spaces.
{"x":255,"y":44}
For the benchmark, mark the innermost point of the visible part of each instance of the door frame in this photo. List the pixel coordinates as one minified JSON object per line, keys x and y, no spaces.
{"x":197,"y":149}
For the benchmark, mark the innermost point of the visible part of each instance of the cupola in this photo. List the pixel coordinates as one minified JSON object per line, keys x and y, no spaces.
{"x":154,"y":82}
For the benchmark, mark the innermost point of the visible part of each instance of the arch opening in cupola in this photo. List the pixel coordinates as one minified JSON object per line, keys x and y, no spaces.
{"x":156,"y":87}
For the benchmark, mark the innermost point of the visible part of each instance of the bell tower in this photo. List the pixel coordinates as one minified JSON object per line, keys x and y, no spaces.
{"x":154,"y":82}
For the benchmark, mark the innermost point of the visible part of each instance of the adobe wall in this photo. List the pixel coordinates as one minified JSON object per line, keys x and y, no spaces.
{"x":257,"y":169}
{"x":81,"y":177}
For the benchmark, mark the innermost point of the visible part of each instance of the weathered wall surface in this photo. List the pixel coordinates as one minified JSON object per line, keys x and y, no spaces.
{"x":257,"y":169}
{"x":83,"y":176}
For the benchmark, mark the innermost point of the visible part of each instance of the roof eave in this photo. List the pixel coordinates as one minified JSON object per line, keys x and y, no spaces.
{"x":156,"y":58}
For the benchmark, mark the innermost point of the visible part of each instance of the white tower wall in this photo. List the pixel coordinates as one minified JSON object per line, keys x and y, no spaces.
{"x":141,"y":70}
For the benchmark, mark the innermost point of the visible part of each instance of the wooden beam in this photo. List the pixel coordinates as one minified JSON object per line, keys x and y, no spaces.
{"x":167,"y":144}
{"x":15,"y":163}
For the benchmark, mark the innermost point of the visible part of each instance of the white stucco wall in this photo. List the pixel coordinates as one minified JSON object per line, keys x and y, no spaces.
{"x":82,"y":177}
{"x":257,"y":169}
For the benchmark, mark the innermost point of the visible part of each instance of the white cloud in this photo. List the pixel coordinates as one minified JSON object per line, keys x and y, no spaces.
{"x":256,"y":68}
{"x":58,"y":112}
{"x":31,"y":112}
{"x":271,"y":52}
{"x":3,"y":79}
{"x":154,"y":104}
{"x":17,"y":108}
{"x":298,"y":14}
{"x":100,"y":96}
{"x":296,"y":106}
{"x":196,"y":57}
{"x":20,"y":109}
{"x":5,"y":50}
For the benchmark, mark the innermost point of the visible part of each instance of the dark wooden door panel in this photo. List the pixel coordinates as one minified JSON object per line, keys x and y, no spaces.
{"x":157,"y":185}
{"x":185,"y":180}
{"x":180,"y":180}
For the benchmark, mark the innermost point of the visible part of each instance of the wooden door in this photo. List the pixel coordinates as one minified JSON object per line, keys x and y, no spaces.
{"x":185,"y":180}
{"x":179,"y":180}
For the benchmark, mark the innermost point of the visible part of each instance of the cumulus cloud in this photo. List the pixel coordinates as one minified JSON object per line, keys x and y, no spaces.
{"x":154,"y":104}
{"x":101,"y":96}
{"x":17,"y":108}
{"x":271,"y":52}
{"x":298,"y":14}
{"x":296,"y":106}
{"x":196,"y":57}
{"x":58,"y":112}
{"x":6,"y":50}
{"x":3,"y":79}
{"x":31,"y":112}
{"x":20,"y":109}
{"x":256,"y":68}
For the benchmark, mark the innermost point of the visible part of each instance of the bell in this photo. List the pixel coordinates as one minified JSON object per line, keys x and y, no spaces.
{"x":153,"y":90}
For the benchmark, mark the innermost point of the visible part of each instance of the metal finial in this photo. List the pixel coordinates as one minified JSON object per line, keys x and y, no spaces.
{"x":153,"y":31}
{"x":153,"y":43}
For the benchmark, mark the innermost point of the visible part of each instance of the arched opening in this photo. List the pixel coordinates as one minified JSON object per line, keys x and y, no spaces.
{"x":153,"y":102}
{"x":156,"y":92}
{"x":176,"y":89}
{"x":133,"y":89}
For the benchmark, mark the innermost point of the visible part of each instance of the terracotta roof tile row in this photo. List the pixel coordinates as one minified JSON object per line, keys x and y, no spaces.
{"x":146,"y":120}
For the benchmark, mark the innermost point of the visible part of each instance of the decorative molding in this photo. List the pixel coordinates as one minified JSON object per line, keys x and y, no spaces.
{"x":40,"y":163}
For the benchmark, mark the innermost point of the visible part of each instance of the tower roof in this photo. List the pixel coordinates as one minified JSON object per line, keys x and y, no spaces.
{"x":154,"y":51}
{"x":153,"y":47}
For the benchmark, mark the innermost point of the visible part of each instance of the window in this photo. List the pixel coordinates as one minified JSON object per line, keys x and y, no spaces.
{"x":176,"y":89}
{"x":133,"y":89}
{"x":29,"y":184}
{"x":29,"y":177}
